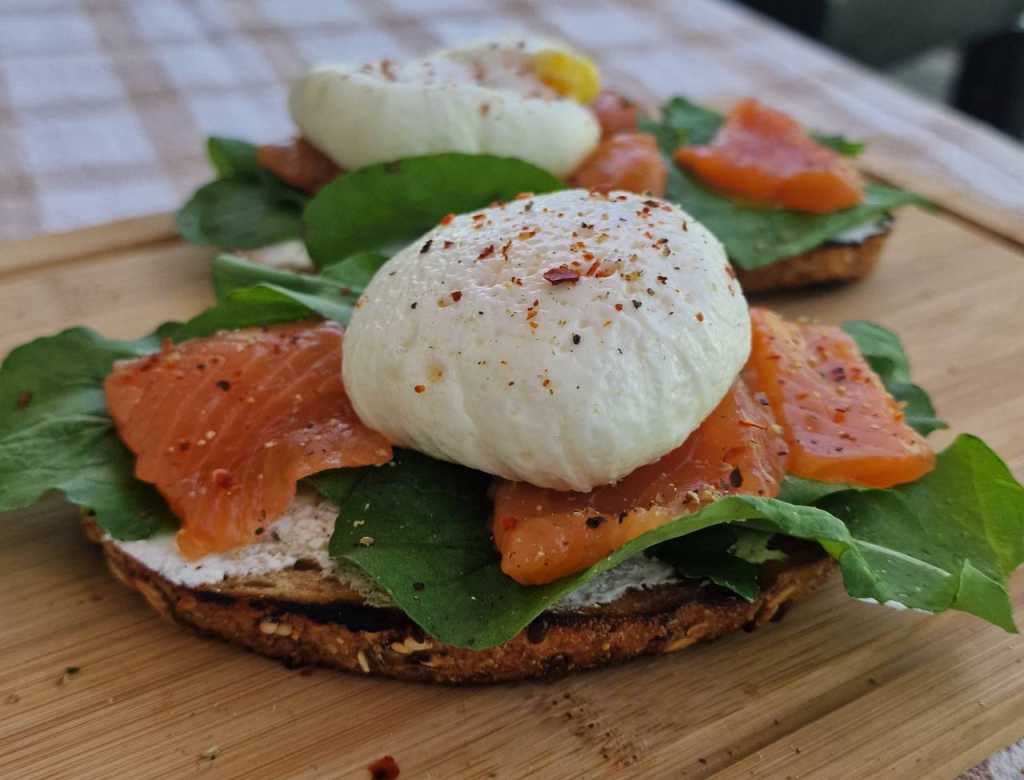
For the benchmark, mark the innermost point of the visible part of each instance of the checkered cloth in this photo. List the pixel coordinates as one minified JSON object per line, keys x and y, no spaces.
{"x":104,"y":104}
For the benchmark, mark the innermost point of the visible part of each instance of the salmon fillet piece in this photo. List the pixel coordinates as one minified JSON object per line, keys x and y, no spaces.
{"x":839,"y":420}
{"x":544,"y":535}
{"x":225,"y":426}
{"x":764,"y":156}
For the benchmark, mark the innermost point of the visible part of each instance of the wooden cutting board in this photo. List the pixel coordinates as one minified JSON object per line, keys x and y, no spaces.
{"x":838,"y":689}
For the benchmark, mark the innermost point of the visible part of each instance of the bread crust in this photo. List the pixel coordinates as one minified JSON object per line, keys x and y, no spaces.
{"x":826,"y":264}
{"x":303,"y":618}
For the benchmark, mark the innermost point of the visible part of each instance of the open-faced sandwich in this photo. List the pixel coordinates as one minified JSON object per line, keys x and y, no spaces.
{"x":788,"y":205}
{"x":552,"y":435}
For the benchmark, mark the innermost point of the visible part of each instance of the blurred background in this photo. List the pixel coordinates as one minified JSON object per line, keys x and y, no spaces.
{"x":105,"y":104}
{"x":967,"y":53}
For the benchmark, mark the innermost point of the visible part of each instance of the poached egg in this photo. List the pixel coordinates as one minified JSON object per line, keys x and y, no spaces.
{"x":521,"y":98}
{"x":563,"y":340}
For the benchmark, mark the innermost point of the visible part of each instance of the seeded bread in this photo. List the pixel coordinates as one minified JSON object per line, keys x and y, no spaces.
{"x":303,"y":618}
{"x":829,"y":263}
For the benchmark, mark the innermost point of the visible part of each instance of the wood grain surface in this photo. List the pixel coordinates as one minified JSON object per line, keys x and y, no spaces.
{"x":837,"y":689}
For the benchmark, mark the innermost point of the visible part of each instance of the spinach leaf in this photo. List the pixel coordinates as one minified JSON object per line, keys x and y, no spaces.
{"x":390,"y":204}
{"x":246,"y":207}
{"x":884,"y":352}
{"x":232,"y":157}
{"x":332,"y":294}
{"x":948,"y":541}
{"x":755,"y":236}
{"x":706,"y":555}
{"x":840,"y":143}
{"x":55,"y":433}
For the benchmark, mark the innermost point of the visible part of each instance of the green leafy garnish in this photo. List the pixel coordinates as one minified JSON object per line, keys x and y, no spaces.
{"x":840,"y":143}
{"x":708,"y":555}
{"x":755,"y":236}
{"x":246,"y":207}
{"x":419,"y":530}
{"x":884,"y":352}
{"x":331,"y":294}
{"x":384,"y":206}
{"x":56,"y":433}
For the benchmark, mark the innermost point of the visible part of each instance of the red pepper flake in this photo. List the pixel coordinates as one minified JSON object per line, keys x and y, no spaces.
{"x":662,"y":280}
{"x":525,"y":234}
{"x":420,"y":389}
{"x":385,"y":768}
{"x":504,"y":250}
{"x":593,"y":268}
{"x":652,"y":204}
{"x":479,"y":217}
{"x":426,"y":247}
{"x":508,"y":522}
{"x":456,"y":295}
{"x":487,"y":252}
{"x":223,"y":479}
{"x":449,"y":244}
{"x":699,"y":316}
{"x":561,"y":274}
{"x":618,"y":307}
{"x":24,"y":399}
{"x":447,"y":219}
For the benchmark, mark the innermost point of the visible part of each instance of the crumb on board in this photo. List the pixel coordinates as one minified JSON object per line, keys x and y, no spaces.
{"x":384,"y":768}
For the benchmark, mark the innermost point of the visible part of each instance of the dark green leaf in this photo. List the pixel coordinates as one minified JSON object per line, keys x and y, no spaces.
{"x":55,"y":433}
{"x":755,"y":546}
{"x":232,"y":157}
{"x":756,"y":236}
{"x":808,"y":492}
{"x":239,"y":213}
{"x":391,"y":203}
{"x":355,"y":271}
{"x":683,"y":124}
{"x":884,"y":352}
{"x":331,"y":294}
{"x":705,"y":555}
{"x":840,"y":143}
{"x":945,"y":542}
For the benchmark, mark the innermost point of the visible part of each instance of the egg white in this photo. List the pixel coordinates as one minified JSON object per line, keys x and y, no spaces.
{"x":484,"y":99}
{"x":461,"y":348}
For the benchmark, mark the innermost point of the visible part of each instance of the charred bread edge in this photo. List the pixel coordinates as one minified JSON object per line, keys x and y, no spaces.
{"x":351,"y":636}
{"x":829,"y":263}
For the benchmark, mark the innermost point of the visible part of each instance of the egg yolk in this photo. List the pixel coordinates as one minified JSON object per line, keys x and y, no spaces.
{"x":568,"y":73}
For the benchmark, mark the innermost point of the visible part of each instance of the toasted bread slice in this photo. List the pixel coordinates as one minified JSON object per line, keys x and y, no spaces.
{"x":304,"y":618}
{"x":834,"y":261}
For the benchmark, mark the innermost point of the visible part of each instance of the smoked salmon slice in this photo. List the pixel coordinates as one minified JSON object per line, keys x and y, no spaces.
{"x":625,"y":161}
{"x":225,"y":426}
{"x":614,"y":113}
{"x":299,"y":164}
{"x":766,"y":157}
{"x":545,"y":534}
{"x":840,"y":422}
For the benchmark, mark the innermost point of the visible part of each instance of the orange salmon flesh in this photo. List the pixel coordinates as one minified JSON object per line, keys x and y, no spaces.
{"x":764,"y":156}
